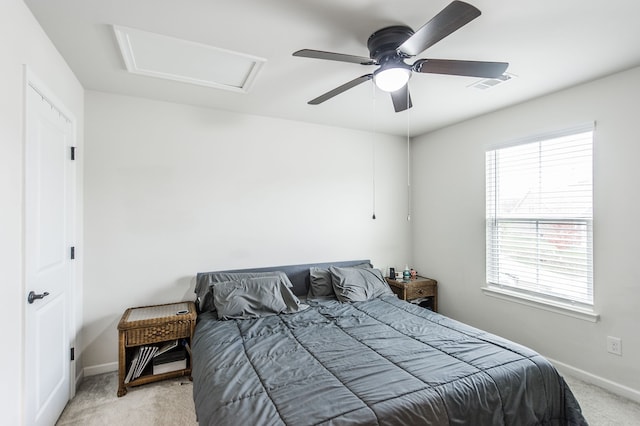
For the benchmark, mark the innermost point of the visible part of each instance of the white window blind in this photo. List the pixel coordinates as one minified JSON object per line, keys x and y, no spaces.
{"x":540,"y":217}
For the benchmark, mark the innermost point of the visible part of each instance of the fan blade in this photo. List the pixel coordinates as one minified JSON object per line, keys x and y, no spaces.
{"x":330,"y":94}
{"x":401,"y":99}
{"x":341,"y":57}
{"x":465,"y":68}
{"x":451,"y":18}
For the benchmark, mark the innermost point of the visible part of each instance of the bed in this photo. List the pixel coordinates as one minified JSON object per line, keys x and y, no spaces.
{"x":359,"y":356}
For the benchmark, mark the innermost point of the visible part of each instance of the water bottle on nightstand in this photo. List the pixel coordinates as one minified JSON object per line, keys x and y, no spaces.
{"x":406,"y":274}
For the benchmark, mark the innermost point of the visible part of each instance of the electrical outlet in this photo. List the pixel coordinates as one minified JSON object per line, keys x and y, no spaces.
{"x":614,"y":345}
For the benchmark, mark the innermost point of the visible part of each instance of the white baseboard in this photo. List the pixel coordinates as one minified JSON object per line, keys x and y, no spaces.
{"x":607,"y":384}
{"x":100,"y":369}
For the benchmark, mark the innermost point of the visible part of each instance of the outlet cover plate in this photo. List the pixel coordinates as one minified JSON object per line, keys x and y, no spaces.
{"x":614,"y":345}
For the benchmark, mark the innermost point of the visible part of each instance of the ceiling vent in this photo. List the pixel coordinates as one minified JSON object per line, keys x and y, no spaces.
{"x":488,"y":83}
{"x":157,"y":55}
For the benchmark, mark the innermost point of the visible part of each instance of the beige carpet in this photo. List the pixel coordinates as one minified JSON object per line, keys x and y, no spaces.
{"x":603,"y":408}
{"x":171,"y":403}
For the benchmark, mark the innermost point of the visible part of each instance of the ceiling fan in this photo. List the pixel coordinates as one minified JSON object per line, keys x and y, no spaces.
{"x":390,"y":46}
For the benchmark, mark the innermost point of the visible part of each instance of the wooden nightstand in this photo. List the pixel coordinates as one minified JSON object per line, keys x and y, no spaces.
{"x":148,"y":326}
{"x":416,"y":288}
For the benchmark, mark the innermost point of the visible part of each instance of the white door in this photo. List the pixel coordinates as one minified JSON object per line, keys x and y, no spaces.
{"x":49,"y":201}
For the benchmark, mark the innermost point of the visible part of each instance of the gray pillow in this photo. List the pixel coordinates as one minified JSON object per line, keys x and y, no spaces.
{"x":205,"y":284}
{"x":320,"y":282}
{"x":253,"y":298}
{"x":358,"y":284}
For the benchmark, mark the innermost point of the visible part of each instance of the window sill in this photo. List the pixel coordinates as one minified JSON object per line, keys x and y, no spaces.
{"x":539,"y":303}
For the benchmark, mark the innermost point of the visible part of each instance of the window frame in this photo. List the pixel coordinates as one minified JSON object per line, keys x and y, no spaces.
{"x":542,"y":300}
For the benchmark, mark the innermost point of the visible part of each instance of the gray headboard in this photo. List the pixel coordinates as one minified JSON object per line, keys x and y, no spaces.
{"x":298,"y":274}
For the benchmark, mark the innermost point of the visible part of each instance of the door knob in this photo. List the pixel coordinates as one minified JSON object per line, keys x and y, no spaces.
{"x":32,"y":297}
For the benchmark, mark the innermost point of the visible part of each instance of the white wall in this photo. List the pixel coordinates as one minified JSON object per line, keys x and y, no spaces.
{"x":22,"y":41}
{"x":171,"y":190}
{"x":449,"y":226}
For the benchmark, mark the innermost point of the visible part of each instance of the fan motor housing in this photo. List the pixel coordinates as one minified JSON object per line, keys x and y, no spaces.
{"x":384,"y":43}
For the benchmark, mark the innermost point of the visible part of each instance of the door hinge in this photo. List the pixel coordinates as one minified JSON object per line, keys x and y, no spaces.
{"x":73,"y":253}
{"x":73,"y":153}
{"x":73,"y":354}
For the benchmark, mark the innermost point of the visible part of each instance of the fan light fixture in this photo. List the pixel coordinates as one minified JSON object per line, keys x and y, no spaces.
{"x":391,"y":79}
{"x":390,"y":47}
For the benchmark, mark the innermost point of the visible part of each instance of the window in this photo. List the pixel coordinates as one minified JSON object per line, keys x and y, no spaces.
{"x":540,"y":217}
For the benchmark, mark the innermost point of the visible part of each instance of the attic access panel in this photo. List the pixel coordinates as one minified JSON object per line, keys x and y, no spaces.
{"x":161,"y":56}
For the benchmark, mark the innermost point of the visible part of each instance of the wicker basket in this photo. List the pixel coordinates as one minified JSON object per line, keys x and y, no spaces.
{"x":151,"y":324}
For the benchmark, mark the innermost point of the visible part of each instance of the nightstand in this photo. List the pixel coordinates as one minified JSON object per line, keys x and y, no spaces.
{"x":153,"y":327}
{"x":415,"y":288}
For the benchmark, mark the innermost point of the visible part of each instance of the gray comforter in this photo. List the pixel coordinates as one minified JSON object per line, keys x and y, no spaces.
{"x":382,"y":361}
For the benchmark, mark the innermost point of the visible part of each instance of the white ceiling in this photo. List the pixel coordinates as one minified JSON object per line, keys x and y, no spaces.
{"x":550,"y":45}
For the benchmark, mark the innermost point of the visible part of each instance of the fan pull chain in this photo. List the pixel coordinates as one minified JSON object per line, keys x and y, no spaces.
{"x":408,"y":161}
{"x":373,"y":156}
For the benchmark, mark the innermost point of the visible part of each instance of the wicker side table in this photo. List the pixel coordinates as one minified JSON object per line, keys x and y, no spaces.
{"x":146,"y":325}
